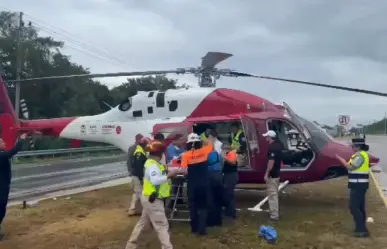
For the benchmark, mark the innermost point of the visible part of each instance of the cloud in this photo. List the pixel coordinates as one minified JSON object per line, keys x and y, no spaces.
{"x":340,"y":43}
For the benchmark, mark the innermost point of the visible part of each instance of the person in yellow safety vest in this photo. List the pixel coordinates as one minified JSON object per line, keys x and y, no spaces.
{"x":136,"y":170}
{"x":237,"y":136}
{"x":358,"y":183}
{"x":206,"y":133}
{"x":156,"y":189}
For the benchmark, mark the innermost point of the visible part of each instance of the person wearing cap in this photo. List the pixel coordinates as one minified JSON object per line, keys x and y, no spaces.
{"x":358,"y":183}
{"x":273,"y":170}
{"x":156,"y":190}
{"x":137,"y":173}
{"x":196,"y":161}
{"x":237,"y":136}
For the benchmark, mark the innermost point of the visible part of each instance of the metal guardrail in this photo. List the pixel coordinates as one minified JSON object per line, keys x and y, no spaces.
{"x":30,"y":194}
{"x":64,"y":151}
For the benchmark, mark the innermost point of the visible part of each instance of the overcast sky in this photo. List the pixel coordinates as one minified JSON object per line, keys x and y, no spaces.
{"x":340,"y":42}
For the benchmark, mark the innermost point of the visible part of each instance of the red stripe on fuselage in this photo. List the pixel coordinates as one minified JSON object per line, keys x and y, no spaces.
{"x":228,"y":101}
{"x":48,"y":127}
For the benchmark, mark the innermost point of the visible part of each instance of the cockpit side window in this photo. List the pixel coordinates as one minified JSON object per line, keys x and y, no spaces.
{"x":160,"y":99}
{"x":125,"y":105}
{"x":173,"y":106}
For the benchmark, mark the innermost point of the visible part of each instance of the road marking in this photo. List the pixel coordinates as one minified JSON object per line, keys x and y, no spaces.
{"x":378,"y":187}
{"x":74,"y":191}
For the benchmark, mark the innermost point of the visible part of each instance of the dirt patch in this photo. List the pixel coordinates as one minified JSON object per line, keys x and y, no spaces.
{"x":313,"y":216}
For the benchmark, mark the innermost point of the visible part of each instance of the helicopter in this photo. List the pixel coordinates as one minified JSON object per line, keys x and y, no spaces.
{"x":182,"y":111}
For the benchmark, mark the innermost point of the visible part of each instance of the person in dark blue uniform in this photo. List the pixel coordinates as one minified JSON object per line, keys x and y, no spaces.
{"x":5,"y":175}
{"x":358,"y":183}
{"x":196,"y":161}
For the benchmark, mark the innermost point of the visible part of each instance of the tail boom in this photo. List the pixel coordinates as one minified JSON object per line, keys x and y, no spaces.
{"x":9,"y":131}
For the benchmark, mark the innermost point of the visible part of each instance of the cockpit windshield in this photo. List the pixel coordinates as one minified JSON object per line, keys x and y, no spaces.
{"x":125,"y":105}
{"x":318,"y":135}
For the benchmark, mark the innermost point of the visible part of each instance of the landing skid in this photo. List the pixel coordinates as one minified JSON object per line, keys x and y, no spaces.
{"x":258,"y":207}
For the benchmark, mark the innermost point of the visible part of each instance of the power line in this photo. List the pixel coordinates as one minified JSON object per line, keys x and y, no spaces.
{"x":70,"y":35}
{"x":95,"y":55}
{"x":81,"y":44}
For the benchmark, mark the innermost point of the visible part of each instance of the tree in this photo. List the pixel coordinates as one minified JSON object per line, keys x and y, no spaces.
{"x":149,"y":83}
{"x":378,"y":127}
{"x":42,"y":56}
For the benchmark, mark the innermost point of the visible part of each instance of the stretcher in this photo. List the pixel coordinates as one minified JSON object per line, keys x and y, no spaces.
{"x":179,"y":212}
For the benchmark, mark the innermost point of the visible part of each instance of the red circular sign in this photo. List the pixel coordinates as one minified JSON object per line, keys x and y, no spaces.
{"x":118,"y":130}
{"x":344,"y":119}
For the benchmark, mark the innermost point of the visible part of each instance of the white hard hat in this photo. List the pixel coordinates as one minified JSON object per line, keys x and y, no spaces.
{"x":193,"y":137}
{"x":270,"y":133}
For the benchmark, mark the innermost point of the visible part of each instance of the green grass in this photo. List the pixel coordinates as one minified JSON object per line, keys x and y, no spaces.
{"x":314,"y":216}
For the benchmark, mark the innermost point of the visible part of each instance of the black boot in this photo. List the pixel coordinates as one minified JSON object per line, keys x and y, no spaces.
{"x":202,"y":230}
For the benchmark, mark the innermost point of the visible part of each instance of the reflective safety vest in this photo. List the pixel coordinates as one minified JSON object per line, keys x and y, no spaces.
{"x":359,"y":176}
{"x":148,"y":188}
{"x":203,"y":136}
{"x":139,"y":149}
{"x":235,"y":140}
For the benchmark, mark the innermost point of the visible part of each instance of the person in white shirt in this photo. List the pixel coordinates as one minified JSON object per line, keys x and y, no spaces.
{"x":213,"y":137}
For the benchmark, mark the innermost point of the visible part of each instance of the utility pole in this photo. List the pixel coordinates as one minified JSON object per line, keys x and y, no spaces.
{"x":18,"y":63}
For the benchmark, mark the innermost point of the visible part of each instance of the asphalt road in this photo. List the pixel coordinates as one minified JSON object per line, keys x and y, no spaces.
{"x":378,"y":147}
{"x":31,"y":180}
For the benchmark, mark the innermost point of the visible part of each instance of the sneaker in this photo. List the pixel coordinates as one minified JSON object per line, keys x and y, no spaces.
{"x":274,"y":218}
{"x":132,"y":213}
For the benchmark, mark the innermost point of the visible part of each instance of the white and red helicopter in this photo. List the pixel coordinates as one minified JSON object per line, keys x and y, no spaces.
{"x":310,"y":158}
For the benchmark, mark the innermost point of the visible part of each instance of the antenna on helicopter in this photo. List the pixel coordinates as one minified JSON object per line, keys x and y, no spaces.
{"x":103,"y":102}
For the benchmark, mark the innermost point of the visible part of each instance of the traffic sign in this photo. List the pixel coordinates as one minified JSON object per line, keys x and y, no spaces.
{"x":344,"y":120}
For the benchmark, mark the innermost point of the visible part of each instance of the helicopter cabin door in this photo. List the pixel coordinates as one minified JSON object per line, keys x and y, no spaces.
{"x":300,"y":126}
{"x":250,"y":130}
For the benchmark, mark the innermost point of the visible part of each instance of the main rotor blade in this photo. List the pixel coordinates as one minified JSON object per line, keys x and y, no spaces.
{"x":312,"y":84}
{"x":98,"y":75}
{"x":211,"y":59}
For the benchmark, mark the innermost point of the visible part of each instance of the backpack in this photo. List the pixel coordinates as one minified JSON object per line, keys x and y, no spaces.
{"x":269,"y":234}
